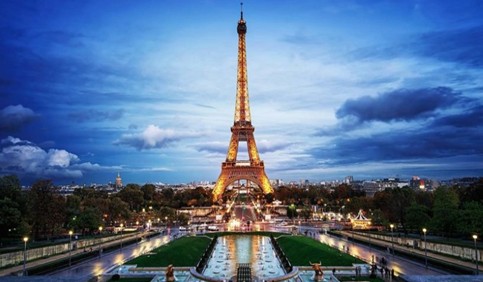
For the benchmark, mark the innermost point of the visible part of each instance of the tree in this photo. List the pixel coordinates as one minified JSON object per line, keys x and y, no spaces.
{"x":72,"y":209}
{"x":118,"y":210}
{"x":10,"y":188}
{"x":470,"y":219}
{"x":148,"y":193}
{"x":133,"y":196}
{"x":378,"y":219}
{"x":10,"y":217}
{"x":291,"y":211}
{"x":445,"y":211}
{"x":417,"y":217}
{"x":47,"y":209}
{"x":89,"y":220}
{"x":306,"y":212}
{"x":12,"y":207}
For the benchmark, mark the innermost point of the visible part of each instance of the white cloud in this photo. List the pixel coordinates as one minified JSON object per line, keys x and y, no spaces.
{"x":26,"y":158}
{"x":153,"y":137}
{"x":60,"y":158}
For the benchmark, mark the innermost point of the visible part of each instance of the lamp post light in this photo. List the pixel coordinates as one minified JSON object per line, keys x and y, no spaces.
{"x":70,"y":246}
{"x":425,"y":249}
{"x":476,"y":253}
{"x":25,"y":239}
{"x":122,"y":225}
{"x":100,"y":238}
{"x":392,"y":237}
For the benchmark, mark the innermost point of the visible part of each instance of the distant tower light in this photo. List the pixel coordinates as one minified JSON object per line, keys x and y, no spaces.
{"x":118,"y":181}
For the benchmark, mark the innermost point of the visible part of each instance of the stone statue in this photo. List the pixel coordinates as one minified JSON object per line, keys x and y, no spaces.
{"x":170,"y":274}
{"x":318,"y":273}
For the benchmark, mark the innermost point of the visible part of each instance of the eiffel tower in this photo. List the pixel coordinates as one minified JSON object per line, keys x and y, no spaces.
{"x":232,"y":169}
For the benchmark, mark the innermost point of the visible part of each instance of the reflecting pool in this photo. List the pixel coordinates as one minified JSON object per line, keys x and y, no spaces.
{"x":231,"y":250}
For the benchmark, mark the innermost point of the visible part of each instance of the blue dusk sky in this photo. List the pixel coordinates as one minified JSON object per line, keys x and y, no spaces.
{"x":369,"y":88}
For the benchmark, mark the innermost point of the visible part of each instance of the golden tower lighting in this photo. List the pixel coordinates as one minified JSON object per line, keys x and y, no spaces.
{"x":232,"y":169}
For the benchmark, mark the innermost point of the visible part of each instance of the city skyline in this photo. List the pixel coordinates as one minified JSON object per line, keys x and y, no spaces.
{"x":364,"y":88}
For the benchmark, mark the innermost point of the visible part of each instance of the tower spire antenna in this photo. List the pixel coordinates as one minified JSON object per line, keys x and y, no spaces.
{"x":241,"y":10}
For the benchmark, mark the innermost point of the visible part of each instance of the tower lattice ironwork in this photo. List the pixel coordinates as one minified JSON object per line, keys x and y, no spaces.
{"x":232,"y":169}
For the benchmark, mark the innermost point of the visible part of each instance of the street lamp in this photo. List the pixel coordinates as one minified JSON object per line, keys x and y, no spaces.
{"x":425,"y":249}
{"x":122,"y":225}
{"x":70,"y":246}
{"x":25,"y":239}
{"x":100,"y":238}
{"x":476,"y":253}
{"x":392,"y":237}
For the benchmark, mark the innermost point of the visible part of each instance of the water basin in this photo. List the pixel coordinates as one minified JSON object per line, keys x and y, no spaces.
{"x":236,"y":249}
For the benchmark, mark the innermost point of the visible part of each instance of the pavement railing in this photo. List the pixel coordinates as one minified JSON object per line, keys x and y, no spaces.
{"x":464,"y":266}
{"x":16,"y":257}
{"x":65,"y":255}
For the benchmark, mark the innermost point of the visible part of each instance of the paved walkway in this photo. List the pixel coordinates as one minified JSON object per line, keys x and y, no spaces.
{"x":401,"y":266}
{"x":107,"y":261}
{"x":405,"y":249}
{"x":17,"y":270}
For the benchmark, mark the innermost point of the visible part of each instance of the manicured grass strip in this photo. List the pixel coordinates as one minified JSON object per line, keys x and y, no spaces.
{"x":301,"y":250}
{"x":185,"y":251}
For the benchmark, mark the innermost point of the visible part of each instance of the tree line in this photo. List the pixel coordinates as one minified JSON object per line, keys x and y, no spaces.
{"x":448,"y":211}
{"x":41,"y":212}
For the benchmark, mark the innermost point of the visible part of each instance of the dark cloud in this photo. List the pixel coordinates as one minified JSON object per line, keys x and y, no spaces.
{"x":399,"y":105}
{"x":12,"y":118}
{"x":95,"y":115}
{"x":60,"y":70}
{"x":403,"y":145}
{"x":459,"y":45}
{"x":455,"y":134}
{"x":472,"y":118}
{"x":455,"y":125}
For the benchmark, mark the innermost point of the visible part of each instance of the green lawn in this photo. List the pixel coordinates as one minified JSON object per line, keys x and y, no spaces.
{"x":301,"y":250}
{"x":185,"y":251}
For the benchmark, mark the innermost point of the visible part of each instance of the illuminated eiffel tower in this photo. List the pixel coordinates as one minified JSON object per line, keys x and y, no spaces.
{"x":232,"y":170}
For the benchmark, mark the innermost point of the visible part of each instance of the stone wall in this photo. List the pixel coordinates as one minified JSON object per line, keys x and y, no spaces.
{"x":457,"y":251}
{"x":15,"y":258}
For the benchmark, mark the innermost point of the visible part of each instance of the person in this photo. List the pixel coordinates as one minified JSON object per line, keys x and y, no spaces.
{"x":317,"y":271}
{"x":170,"y":273}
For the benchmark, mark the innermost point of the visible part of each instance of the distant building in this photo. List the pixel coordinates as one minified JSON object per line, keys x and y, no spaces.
{"x":371,"y":187}
{"x":348,"y":179}
{"x":118,"y":184}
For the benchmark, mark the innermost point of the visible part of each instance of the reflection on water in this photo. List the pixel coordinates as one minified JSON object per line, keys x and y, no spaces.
{"x":231,"y":250}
